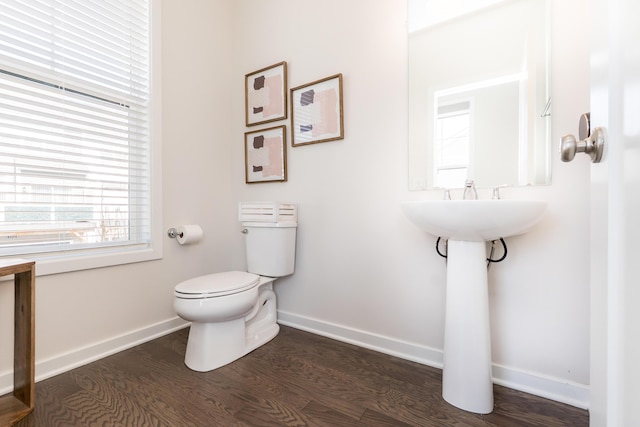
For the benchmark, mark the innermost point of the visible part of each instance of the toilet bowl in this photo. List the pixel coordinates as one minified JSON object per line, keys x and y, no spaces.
{"x":231,"y":314}
{"x":234,"y":312}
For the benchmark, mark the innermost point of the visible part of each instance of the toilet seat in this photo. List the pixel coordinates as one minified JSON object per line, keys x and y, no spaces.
{"x":216,"y":285}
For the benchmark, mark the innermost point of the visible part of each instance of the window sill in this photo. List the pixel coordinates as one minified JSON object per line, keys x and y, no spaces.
{"x":47,"y":264}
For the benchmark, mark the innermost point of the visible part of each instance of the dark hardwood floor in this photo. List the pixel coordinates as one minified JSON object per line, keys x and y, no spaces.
{"x":298,"y":379}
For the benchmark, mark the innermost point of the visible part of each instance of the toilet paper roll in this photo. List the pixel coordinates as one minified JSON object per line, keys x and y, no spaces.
{"x":189,"y":234}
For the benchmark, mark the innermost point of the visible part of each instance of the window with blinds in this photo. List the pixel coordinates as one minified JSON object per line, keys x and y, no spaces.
{"x":74,"y":125}
{"x":452,"y":148}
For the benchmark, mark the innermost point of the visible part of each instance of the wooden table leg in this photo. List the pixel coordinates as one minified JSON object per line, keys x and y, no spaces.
{"x":22,"y":401}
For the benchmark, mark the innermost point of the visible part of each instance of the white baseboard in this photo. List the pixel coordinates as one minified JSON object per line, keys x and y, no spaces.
{"x":404,"y":350}
{"x":548,"y":387}
{"x":557,"y":389}
{"x":65,"y":362}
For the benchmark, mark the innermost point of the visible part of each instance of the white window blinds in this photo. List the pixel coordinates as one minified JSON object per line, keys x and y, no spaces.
{"x":74,"y":124}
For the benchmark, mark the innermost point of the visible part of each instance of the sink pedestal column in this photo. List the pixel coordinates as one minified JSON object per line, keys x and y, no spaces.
{"x":466,"y":376}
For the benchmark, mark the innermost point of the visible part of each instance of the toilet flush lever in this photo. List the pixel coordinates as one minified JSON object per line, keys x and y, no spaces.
{"x":244,"y":231}
{"x":591,"y":143}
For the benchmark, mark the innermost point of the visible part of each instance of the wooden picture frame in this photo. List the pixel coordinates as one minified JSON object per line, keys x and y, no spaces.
{"x":265,"y":155}
{"x":266,"y":94}
{"x":316,"y":112}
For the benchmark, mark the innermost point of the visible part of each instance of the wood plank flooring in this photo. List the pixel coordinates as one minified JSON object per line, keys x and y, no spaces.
{"x":298,"y":379}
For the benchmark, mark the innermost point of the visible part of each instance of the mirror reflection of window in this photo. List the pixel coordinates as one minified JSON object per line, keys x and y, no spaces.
{"x":495,"y":52}
{"x":452,"y":148}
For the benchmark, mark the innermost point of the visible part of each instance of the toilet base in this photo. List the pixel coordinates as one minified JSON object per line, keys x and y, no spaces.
{"x":213,"y":345}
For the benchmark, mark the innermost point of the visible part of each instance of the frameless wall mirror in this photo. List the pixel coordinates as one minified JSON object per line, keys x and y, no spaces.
{"x":479,"y":96}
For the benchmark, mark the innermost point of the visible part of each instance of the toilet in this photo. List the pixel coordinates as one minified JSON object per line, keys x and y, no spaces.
{"x":234,"y":312}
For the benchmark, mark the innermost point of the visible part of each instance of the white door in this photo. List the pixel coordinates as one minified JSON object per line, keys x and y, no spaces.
{"x":615,"y":215}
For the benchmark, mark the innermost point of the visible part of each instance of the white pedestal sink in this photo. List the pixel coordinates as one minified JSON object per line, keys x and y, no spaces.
{"x":468,"y":224}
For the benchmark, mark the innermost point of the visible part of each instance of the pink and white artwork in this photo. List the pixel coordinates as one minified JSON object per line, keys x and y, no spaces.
{"x":265,"y":155}
{"x":266,"y":94}
{"x":316,"y":111}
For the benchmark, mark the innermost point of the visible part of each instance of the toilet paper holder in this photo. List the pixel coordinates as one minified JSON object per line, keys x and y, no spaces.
{"x":173,"y":233}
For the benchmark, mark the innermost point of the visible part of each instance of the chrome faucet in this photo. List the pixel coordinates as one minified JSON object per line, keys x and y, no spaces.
{"x":470,"y":192}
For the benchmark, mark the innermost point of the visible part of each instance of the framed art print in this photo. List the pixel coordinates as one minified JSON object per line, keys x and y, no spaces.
{"x":316,"y":112}
{"x":265,"y":155}
{"x":266,"y":95}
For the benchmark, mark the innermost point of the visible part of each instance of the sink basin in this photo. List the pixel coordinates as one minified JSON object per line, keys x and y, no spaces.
{"x":474,"y":220}
{"x":467,"y":224}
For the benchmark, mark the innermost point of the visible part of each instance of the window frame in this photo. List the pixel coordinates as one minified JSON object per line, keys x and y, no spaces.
{"x":90,"y":258}
{"x":456,"y":109}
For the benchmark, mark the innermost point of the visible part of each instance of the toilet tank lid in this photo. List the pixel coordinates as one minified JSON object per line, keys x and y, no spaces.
{"x":218,"y":283}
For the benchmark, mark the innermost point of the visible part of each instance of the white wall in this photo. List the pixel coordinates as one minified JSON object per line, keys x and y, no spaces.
{"x":363,"y":272}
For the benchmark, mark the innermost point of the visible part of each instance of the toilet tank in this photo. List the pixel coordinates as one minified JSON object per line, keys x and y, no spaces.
{"x":270,"y":237}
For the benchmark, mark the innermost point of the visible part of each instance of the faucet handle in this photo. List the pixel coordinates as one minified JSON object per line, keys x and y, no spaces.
{"x":496,"y":191}
{"x":446,"y":195}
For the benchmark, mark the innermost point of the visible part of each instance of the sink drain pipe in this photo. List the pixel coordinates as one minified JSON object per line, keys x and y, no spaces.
{"x":490,"y":260}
